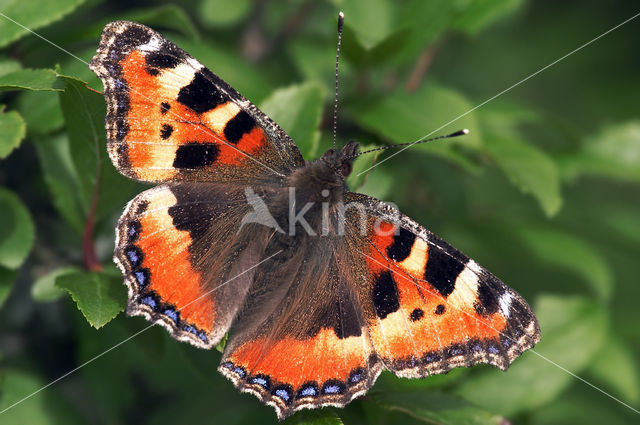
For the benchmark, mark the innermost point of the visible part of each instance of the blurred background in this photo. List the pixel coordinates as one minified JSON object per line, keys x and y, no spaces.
{"x":544,"y":192}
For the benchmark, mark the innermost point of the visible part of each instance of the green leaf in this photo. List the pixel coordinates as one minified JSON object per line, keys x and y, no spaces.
{"x":221,"y":13}
{"x":573,"y":330}
{"x":613,"y":152}
{"x":61,"y":177}
{"x":47,"y":408}
{"x":436,"y":407}
{"x":84,"y":112}
{"x":32,"y":15}
{"x":41,"y":111}
{"x":426,"y":22}
{"x":44,"y":288}
{"x":99,"y":297}
{"x":6,"y":283}
{"x":480,"y":14}
{"x":17,"y":230}
{"x":371,"y":20}
{"x":407,"y":117}
{"x":615,"y":366}
{"x":298,"y":110}
{"x":13,"y":131}
{"x":322,"y":417}
{"x":7,"y":66}
{"x":31,"y":79}
{"x":314,"y":59}
{"x":362,"y":163}
{"x":565,"y":250}
{"x":528,"y":168}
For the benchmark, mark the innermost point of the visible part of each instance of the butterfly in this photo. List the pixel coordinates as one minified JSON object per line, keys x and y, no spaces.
{"x":318,"y":287}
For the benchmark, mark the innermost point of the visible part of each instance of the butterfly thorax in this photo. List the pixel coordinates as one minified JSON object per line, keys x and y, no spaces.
{"x":323,"y":180}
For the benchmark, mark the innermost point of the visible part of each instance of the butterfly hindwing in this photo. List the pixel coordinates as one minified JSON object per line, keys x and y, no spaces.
{"x":303,"y":344}
{"x":175,"y":245}
{"x":169,"y":117}
{"x":431,"y":307}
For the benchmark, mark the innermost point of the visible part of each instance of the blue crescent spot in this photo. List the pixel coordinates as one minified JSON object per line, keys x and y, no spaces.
{"x":493,"y":349}
{"x":148,"y":300}
{"x":133,"y":256}
{"x":283,"y":394}
{"x":308,"y":391}
{"x":331,"y":389}
{"x":141,"y":278}
{"x":227,"y":365}
{"x":172,"y":314}
{"x":355,"y":378}
{"x":432,"y":358}
{"x":203,"y":337}
{"x":240,"y":371}
{"x":259,"y":380}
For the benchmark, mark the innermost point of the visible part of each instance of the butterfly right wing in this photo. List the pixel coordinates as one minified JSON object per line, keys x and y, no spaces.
{"x":430,"y":308}
{"x":170,"y":118}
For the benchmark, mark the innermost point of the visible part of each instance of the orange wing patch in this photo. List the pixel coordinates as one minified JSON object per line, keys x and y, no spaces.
{"x":291,"y":374}
{"x":163,"y":285}
{"x":166,"y":136}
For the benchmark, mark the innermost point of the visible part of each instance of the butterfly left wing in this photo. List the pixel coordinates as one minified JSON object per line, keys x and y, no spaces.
{"x":431,"y":308}
{"x":170,"y":118}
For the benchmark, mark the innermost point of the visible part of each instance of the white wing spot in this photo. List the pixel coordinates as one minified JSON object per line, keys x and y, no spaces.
{"x":505,"y":303}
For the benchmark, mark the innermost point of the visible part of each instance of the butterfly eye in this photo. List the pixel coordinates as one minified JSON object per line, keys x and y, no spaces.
{"x":345,"y":169}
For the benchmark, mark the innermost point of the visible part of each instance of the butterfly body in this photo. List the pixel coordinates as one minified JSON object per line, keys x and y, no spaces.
{"x":319,"y":288}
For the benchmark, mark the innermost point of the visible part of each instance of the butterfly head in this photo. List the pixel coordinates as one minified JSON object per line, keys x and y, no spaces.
{"x":341,"y":160}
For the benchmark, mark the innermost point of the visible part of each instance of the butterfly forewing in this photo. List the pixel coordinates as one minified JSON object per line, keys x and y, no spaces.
{"x":169,"y":117}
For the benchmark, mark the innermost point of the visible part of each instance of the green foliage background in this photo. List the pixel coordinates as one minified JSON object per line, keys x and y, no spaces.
{"x":544,"y":193}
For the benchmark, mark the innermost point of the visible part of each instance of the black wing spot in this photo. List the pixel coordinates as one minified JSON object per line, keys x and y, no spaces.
{"x":194,"y":155}
{"x":194,"y":217}
{"x":385,"y":295}
{"x":164,"y":108}
{"x":400,"y":249}
{"x":440,"y":309}
{"x":443,"y":268}
{"x":200,"y":94}
{"x":160,"y":60}
{"x":489,"y":291}
{"x":238,"y":126}
{"x":165,"y":131}
{"x":416,"y":314}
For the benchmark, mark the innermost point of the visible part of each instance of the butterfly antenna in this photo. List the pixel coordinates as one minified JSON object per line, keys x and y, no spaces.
{"x":335,"y":102}
{"x":458,"y":133}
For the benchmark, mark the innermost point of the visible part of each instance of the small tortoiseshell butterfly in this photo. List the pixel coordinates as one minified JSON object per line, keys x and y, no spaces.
{"x":324,"y":289}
